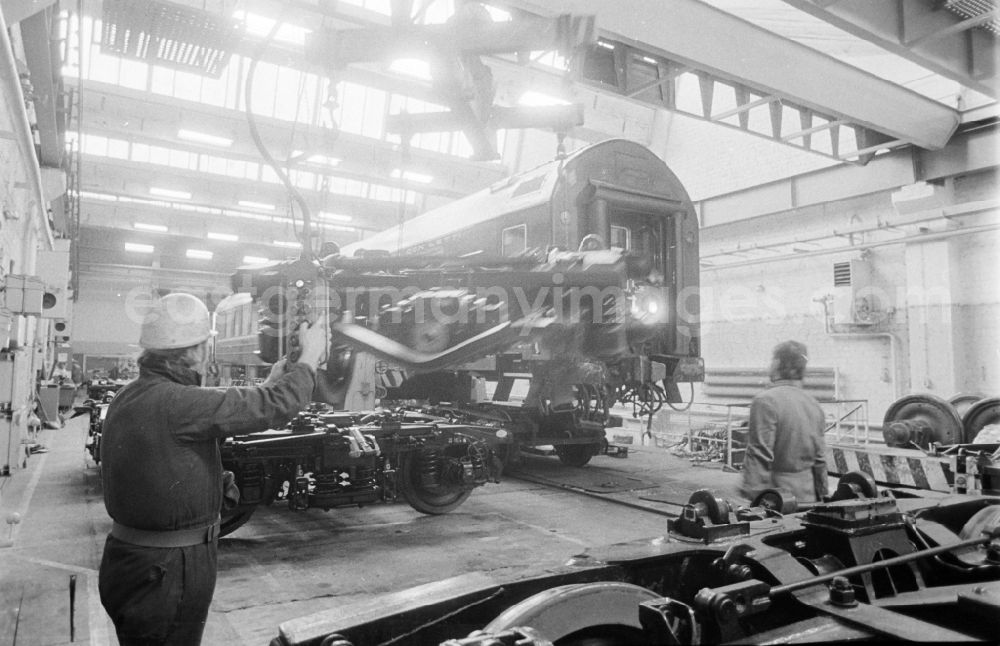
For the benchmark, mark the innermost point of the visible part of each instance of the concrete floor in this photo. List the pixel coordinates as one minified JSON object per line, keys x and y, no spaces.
{"x":283,"y":564}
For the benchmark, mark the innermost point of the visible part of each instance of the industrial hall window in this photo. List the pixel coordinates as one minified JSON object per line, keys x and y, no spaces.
{"x":514,"y":240}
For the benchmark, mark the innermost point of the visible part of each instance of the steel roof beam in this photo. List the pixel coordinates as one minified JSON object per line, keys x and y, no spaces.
{"x":922,"y":32}
{"x":14,"y":11}
{"x":693,"y":33}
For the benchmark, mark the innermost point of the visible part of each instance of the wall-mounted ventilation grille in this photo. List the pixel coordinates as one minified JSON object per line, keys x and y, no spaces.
{"x":842,"y":274}
{"x":168,"y":34}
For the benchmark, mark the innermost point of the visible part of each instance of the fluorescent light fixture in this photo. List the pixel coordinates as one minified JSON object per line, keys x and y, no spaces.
{"x":104,"y":197}
{"x":338,"y":217}
{"x":255,"y":260}
{"x":411,"y":67}
{"x":256,"y":205}
{"x":138,"y":248}
{"x":324,"y":160}
{"x":145,"y":226}
{"x":200,"y":254}
{"x":166,"y":192}
{"x":531,"y":98}
{"x":412,"y":176}
{"x":288,"y":243}
{"x":647,"y":59}
{"x":225,"y":237}
{"x":605,"y":44}
{"x":204,"y":138}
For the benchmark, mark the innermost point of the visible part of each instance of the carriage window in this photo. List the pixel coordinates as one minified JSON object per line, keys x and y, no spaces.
{"x":621,"y":237}
{"x":238,"y":321}
{"x":514,"y":240}
{"x":247,"y":319}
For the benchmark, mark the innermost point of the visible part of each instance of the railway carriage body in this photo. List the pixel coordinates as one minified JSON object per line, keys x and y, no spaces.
{"x":580,"y":276}
{"x":615,"y":194}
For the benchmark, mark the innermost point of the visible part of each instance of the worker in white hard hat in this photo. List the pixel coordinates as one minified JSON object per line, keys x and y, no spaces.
{"x":162,"y":471}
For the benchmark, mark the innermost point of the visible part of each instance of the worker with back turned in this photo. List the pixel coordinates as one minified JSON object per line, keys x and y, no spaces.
{"x":785,"y":446}
{"x":162,"y":471}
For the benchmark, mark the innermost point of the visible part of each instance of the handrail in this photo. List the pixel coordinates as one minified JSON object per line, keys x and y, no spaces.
{"x":10,"y":88}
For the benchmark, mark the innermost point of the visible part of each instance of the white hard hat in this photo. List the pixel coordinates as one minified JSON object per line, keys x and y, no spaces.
{"x":175,"y":321}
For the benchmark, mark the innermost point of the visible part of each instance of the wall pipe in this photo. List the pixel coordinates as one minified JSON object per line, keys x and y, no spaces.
{"x":10,"y":88}
{"x":922,"y":237}
{"x":893,"y":369}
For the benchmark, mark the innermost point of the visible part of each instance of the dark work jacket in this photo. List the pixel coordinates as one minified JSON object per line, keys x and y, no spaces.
{"x":161,"y":467}
{"x":785,"y":445}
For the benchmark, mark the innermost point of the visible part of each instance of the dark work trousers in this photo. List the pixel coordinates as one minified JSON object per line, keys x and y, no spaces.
{"x":158,"y":595}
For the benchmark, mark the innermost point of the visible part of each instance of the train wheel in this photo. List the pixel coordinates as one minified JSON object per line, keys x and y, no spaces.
{"x":980,"y":416}
{"x":437,"y":500}
{"x":964,"y":401}
{"x":575,"y":455}
{"x":929,"y":411}
{"x":235,"y":518}
{"x":603,"y":613}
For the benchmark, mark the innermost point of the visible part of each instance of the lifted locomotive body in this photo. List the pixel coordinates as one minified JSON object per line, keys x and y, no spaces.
{"x":580,"y":276}
{"x":855,"y":567}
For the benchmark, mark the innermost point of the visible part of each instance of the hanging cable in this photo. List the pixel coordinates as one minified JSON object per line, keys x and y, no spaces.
{"x":306,"y":236}
{"x":690,"y":401}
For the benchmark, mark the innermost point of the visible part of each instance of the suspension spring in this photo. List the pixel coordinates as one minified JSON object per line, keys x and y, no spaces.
{"x":430,"y":466}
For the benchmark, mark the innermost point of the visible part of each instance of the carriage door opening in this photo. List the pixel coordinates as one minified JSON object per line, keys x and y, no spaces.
{"x":647,"y":226}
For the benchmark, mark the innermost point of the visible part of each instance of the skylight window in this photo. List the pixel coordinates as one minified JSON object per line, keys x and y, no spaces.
{"x":204,"y":138}
{"x":412,"y":67}
{"x":550,"y":59}
{"x":257,"y":25}
{"x":497,"y":14}
{"x":169,"y":192}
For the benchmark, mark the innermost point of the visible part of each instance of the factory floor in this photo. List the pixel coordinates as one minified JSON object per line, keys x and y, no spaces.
{"x":283,"y":564}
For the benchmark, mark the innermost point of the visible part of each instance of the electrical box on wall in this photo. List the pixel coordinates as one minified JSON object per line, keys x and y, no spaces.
{"x":23,"y":294}
{"x":53,"y":268}
{"x":854,"y":302}
{"x":60,"y":331}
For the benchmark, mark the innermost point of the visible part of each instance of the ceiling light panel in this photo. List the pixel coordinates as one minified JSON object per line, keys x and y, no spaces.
{"x":337,"y":217}
{"x":145,"y":226}
{"x":204,"y":138}
{"x":225,"y":237}
{"x":199,"y":254}
{"x":169,"y":192}
{"x":255,"y":260}
{"x":139,"y":248}
{"x":263,"y":206}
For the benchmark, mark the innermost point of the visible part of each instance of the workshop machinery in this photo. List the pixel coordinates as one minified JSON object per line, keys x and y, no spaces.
{"x":864,"y":564}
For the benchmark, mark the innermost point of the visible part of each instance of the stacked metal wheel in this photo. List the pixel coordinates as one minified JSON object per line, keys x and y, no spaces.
{"x":922,"y":420}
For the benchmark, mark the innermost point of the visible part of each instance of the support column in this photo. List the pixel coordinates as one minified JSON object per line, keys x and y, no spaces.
{"x":929,"y":314}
